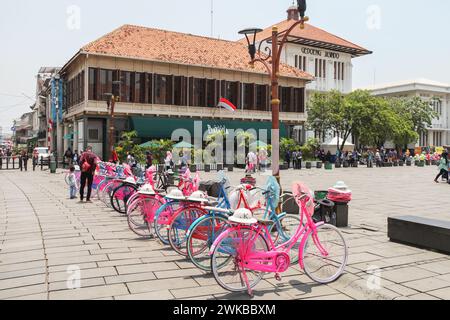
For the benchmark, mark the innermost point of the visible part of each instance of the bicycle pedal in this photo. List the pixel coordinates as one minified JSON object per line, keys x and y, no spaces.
{"x":278,"y":277}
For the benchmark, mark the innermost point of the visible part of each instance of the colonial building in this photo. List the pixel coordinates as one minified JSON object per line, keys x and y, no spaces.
{"x":167,"y":80}
{"x":315,"y":51}
{"x":437,"y":94}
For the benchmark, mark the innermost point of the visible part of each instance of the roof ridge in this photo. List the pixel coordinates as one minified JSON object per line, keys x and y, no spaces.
{"x":339,"y":37}
{"x":169,"y":31}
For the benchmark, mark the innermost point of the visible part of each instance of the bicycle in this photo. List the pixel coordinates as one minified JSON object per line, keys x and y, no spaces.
{"x":143,"y":205}
{"x":196,"y":215}
{"x":204,"y":231}
{"x":242,"y":254}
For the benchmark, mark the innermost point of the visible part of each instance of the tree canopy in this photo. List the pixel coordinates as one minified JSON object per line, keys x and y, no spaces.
{"x":371,"y":120}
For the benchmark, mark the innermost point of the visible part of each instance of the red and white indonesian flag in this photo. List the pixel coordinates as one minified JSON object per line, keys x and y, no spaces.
{"x":224,"y":103}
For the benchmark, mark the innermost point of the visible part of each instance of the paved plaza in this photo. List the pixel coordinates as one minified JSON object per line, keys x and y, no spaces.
{"x":45,"y":237}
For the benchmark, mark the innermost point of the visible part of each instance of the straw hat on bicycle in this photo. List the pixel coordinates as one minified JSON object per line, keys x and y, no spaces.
{"x":176,"y":194}
{"x":147,"y":190}
{"x":243,"y":216}
{"x":198,"y":196}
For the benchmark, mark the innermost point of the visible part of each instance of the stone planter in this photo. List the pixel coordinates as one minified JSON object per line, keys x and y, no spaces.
{"x":230,"y":168}
{"x":346,"y":164}
{"x":416,"y":163}
{"x":219,"y":167}
{"x":319,"y":165}
{"x":395,"y":163}
{"x":433,"y":162}
{"x":401,"y":163}
{"x":308,"y":165}
{"x":193,"y":168}
{"x":328,"y":166}
{"x":207,"y":168}
{"x":428,"y":162}
{"x":355,"y":165}
{"x":408,"y":163}
{"x":337,"y":165}
{"x":422,"y":164}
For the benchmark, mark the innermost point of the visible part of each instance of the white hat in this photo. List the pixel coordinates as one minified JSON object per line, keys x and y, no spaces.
{"x":147,"y":189}
{"x":340,"y":185}
{"x":243,"y":216}
{"x":198,"y":196}
{"x":130,"y":180}
{"x":176,"y":194}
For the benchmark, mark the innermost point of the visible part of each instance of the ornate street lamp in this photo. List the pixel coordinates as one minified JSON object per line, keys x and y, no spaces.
{"x":270,"y":58}
{"x":111,"y":99}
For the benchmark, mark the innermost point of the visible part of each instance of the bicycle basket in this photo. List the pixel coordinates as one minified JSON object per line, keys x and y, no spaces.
{"x":303,"y":196}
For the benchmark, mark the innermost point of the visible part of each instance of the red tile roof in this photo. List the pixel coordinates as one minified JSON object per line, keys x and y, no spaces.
{"x":174,"y":47}
{"x":314,"y":34}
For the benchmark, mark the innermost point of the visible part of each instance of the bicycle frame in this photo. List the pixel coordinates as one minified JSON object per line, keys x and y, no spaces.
{"x":259,"y":261}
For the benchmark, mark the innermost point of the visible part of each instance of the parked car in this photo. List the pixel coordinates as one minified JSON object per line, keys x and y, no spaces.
{"x":43,"y":153}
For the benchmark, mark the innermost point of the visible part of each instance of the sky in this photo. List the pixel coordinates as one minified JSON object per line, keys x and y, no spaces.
{"x":408,"y":37}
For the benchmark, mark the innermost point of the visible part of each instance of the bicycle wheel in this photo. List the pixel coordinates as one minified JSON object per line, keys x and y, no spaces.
{"x":325,"y":254}
{"x":227,"y":256}
{"x":201,"y":237}
{"x":179,"y":227}
{"x":120,"y":196}
{"x":105,"y":195}
{"x":140,"y":215}
{"x":162,"y":220}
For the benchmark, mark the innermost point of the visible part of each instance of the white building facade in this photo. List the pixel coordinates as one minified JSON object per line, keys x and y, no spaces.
{"x":437,"y":94}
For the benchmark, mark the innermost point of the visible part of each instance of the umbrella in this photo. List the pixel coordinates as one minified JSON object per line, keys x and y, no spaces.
{"x":150,"y":144}
{"x":183,"y":145}
{"x":259,"y":144}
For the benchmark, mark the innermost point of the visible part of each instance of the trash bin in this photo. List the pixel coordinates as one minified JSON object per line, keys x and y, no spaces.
{"x":325,"y":212}
{"x":341,"y":210}
{"x":52,"y":164}
{"x":328,"y":166}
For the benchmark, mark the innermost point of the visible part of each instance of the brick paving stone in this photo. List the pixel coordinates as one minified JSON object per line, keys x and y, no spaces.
{"x":155,"y":285}
{"x":428,"y":284}
{"x":155,"y":295}
{"x":84,"y":273}
{"x":90,"y":293}
{"x":441,"y":293}
{"x":406,"y":274}
{"x":148,"y":268}
{"x":85,"y":283}
{"x":21,"y":291}
{"x":422,"y":296}
{"x":128,"y":278}
{"x":22,"y":281}
{"x":21,"y":273}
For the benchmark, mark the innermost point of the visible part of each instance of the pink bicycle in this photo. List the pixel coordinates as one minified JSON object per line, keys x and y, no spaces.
{"x":242,"y":254}
{"x":144,"y":204}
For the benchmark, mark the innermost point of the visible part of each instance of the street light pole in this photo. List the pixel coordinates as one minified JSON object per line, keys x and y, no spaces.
{"x":112,"y":98}
{"x":273,"y":70}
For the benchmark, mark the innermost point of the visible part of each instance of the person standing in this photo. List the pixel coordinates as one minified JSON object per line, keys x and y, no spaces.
{"x":443,"y":167}
{"x":76,"y":158}
{"x":73,"y":185}
{"x":23,"y":160}
{"x":68,"y":155}
{"x":88,"y":164}
{"x":114,"y":157}
{"x":148,"y":160}
{"x":1,"y":158}
{"x":287,"y":157}
{"x":299,"y":159}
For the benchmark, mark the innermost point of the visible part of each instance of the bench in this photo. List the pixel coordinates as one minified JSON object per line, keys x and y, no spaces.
{"x":421,"y":232}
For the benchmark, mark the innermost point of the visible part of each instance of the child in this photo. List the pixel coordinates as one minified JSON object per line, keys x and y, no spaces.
{"x":72,"y":180}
